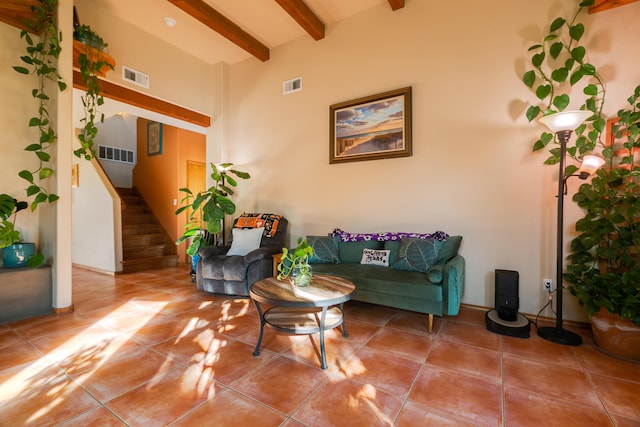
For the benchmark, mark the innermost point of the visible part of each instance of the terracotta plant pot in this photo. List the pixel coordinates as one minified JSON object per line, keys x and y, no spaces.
{"x":615,"y":336}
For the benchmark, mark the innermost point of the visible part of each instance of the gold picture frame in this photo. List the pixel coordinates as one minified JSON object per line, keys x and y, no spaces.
{"x":370,"y":128}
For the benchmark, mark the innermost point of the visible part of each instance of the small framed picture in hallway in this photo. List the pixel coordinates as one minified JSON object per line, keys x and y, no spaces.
{"x":154,"y":138}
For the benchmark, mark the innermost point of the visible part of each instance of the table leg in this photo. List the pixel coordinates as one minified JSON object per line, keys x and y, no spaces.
{"x":344,"y":328}
{"x":322,"y":351}
{"x":256,"y":352}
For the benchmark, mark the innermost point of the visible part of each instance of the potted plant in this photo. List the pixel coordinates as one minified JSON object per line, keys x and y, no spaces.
{"x":14,"y":252}
{"x":208,"y":208}
{"x":295,"y":263}
{"x":604,"y":266}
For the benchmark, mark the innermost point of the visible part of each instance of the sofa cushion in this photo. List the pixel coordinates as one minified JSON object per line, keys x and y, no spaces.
{"x":352,"y":251}
{"x":449,"y":249}
{"x":393,"y":246}
{"x":436,"y":274}
{"x":325,"y":249}
{"x":223,"y":267}
{"x":384,"y":280}
{"x":375,"y":257}
{"x":417,"y":254}
{"x":245,"y":240}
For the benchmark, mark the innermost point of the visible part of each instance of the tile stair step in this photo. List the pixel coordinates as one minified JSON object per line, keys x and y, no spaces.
{"x":141,"y":264}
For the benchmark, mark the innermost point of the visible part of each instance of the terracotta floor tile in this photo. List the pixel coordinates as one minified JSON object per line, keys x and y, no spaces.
{"x":122,"y":374}
{"x":231,"y":409}
{"x":620,"y":397}
{"x":597,"y":362}
{"x":18,"y":354}
{"x":541,"y":350}
{"x":410,"y":345}
{"x":413,"y":322}
{"x":148,"y":405}
{"x":368,"y":313}
{"x":625,"y":422}
{"x":470,"y":334}
{"x":272,"y":340}
{"x":9,"y":338}
{"x":462,"y":395}
{"x":560,"y":382}
{"x":159,"y":329}
{"x":63,"y":325}
{"x":98,"y":417}
{"x":282,"y":383}
{"x":338,"y":352}
{"x":471,"y":315}
{"x":347,"y":402}
{"x":472,"y":360}
{"x":526,"y":409}
{"x":415,"y":415}
{"x":42,"y":397}
{"x":386,"y":371}
{"x":358,"y":332}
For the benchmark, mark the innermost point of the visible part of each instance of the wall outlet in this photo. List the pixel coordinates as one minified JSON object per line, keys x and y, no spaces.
{"x":547,"y":284}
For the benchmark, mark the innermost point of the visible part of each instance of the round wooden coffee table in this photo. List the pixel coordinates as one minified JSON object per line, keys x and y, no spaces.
{"x":302,"y":310}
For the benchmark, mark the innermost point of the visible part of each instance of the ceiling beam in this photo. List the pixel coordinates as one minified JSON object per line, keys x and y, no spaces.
{"x":304,"y":16}
{"x":602,"y":5}
{"x":396,"y":4}
{"x":223,"y":26}
{"x":137,"y":99}
{"x":15,"y":12}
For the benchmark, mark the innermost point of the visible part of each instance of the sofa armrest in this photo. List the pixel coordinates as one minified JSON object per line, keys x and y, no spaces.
{"x":207,"y":251}
{"x":453,"y":285}
{"x":260,"y":253}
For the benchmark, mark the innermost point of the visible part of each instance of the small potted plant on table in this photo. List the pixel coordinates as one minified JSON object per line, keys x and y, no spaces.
{"x":295,"y":263}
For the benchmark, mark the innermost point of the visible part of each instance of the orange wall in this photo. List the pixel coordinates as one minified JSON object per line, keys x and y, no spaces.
{"x":159,"y":177}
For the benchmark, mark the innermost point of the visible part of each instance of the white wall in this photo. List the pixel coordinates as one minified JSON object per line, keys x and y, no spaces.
{"x":472,"y":171}
{"x":118,"y":131}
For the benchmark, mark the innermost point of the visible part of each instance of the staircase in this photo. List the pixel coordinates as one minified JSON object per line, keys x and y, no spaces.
{"x":145,"y":244}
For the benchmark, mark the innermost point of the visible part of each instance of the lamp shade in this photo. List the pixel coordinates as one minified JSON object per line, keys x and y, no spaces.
{"x":590,"y":164}
{"x":566,"y":120}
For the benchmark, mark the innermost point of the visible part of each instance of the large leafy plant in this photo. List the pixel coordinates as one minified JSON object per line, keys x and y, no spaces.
{"x":42,"y":53}
{"x":559,"y":67}
{"x":208,"y":208}
{"x":604,"y":266}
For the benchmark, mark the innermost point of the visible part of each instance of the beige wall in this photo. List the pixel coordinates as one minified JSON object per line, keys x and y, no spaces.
{"x":472,"y":171}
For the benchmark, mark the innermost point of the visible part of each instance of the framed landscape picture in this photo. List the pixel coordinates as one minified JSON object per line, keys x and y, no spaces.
{"x":370,"y":128}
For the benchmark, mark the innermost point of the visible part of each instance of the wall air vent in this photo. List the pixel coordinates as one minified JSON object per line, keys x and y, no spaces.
{"x":115,"y":154}
{"x":293,"y":85}
{"x":134,"y":76}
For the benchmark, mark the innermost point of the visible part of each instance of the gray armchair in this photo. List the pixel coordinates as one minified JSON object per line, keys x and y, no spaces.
{"x":233,"y":275}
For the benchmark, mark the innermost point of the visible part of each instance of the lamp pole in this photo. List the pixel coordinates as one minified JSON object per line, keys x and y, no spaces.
{"x":557,"y":334}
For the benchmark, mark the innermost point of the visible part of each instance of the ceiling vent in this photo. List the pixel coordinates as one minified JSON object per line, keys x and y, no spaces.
{"x":293,"y":85}
{"x":134,"y":76}
{"x":115,"y":154}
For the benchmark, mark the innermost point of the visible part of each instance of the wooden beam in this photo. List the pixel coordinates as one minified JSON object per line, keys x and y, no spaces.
{"x":304,"y":16}
{"x":602,"y":5}
{"x":396,"y":4}
{"x":15,"y":12}
{"x":137,"y":99}
{"x":223,"y":26}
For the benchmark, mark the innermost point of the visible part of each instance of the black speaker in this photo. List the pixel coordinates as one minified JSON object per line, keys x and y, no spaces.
{"x":506,"y":294}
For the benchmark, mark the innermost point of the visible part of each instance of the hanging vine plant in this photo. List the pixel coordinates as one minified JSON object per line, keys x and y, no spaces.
{"x":92,"y":62}
{"x":558,"y":64}
{"x":41,"y":59}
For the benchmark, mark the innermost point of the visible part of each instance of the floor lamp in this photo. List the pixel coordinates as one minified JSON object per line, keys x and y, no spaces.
{"x":563,"y":124}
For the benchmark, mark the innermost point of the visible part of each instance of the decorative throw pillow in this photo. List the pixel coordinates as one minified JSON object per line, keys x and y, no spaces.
{"x":245,"y":240}
{"x":449,"y":249}
{"x":325,"y":249}
{"x":417,"y":254}
{"x":375,"y":257}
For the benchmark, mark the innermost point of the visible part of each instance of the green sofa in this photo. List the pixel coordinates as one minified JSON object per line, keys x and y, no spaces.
{"x":435,"y":290}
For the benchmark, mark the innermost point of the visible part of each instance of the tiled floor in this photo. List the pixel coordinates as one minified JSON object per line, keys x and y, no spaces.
{"x":147,"y":349}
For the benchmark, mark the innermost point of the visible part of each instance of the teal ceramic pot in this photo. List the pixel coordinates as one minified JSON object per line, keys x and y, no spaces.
{"x":17,"y":254}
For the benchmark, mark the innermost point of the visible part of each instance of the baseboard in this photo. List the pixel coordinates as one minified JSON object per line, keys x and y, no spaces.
{"x":532,"y":317}
{"x":63,"y":310}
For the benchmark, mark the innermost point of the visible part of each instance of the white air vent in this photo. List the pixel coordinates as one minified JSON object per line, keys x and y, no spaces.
{"x":293,"y":85}
{"x":115,"y":154}
{"x":134,"y":76}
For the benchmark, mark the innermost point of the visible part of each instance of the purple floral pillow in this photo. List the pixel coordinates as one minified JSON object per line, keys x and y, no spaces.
{"x":383,"y":237}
